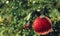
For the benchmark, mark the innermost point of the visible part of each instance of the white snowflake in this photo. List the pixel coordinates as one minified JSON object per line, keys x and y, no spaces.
{"x":38,"y":10}
{"x":34,"y":2}
{"x":7,"y":2}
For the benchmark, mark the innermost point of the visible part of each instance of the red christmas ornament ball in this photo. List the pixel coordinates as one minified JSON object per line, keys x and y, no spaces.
{"x":26,"y":26}
{"x":42,"y":25}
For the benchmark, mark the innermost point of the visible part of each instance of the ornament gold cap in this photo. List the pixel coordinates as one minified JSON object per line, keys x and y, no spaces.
{"x":42,"y":16}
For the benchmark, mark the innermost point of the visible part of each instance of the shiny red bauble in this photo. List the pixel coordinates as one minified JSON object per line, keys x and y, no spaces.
{"x":42,"y":25}
{"x":26,"y":26}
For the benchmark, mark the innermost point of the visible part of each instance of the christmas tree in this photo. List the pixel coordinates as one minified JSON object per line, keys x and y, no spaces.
{"x":17,"y":16}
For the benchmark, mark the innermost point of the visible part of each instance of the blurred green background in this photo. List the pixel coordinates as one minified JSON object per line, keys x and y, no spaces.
{"x":14,"y":14}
